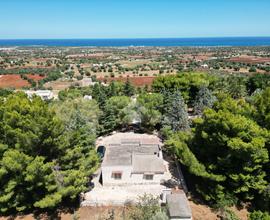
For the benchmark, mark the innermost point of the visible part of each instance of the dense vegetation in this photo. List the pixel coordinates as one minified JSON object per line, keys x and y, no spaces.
{"x":216,"y":126}
{"x":46,"y":157}
{"x":226,"y":151}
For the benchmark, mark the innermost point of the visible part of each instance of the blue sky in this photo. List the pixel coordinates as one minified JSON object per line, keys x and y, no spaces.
{"x":133,"y":18}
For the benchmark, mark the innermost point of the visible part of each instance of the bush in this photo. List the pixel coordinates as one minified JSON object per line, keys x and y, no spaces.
{"x":258,"y":215}
{"x":5,"y":92}
{"x":253,"y":69}
{"x":112,"y":75}
{"x":160,"y":216}
{"x":79,"y":77}
{"x":148,"y":208}
{"x":228,"y":215}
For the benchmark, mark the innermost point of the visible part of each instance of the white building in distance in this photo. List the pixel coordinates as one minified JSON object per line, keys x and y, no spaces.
{"x":87,"y":97}
{"x":43,"y":94}
{"x":87,"y":82}
{"x":204,"y":66}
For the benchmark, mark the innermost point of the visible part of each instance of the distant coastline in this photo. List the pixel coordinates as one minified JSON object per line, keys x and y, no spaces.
{"x":137,"y":42}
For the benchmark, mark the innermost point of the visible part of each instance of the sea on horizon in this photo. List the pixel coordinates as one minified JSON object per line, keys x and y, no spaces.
{"x":137,"y":42}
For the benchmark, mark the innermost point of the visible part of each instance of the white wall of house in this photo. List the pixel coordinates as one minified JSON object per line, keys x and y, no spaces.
{"x":44,"y":94}
{"x":127,"y":176}
{"x":139,"y":179}
{"x":107,"y":175}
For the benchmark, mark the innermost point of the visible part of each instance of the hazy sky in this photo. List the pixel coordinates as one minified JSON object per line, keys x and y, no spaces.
{"x":133,"y":18}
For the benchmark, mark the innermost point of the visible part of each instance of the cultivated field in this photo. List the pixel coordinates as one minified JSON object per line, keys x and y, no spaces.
{"x":12,"y":81}
{"x":15,"y":81}
{"x":250,"y":59}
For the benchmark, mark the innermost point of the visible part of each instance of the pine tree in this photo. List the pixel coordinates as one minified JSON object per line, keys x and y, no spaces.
{"x":175,"y":112}
{"x":45,"y":158}
{"x":112,"y":89}
{"x":116,"y":114}
{"x":204,"y":99}
{"x":129,"y":90}
{"x":99,"y":94}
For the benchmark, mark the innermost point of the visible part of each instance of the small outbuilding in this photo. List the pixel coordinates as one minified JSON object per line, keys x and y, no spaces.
{"x":178,"y":207}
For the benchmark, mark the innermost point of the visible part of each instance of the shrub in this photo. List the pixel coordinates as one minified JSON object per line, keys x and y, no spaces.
{"x":258,"y":215}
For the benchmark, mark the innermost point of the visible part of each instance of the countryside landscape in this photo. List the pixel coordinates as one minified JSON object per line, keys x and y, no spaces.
{"x":186,"y":96}
{"x":134,"y":110}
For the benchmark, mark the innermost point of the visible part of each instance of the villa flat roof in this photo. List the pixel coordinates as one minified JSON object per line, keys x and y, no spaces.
{"x":118,"y":154}
{"x":147,"y":163}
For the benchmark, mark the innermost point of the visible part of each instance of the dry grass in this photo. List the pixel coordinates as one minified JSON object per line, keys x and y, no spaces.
{"x":136,"y":81}
{"x":134,"y":63}
{"x":199,"y":212}
{"x":58,"y":85}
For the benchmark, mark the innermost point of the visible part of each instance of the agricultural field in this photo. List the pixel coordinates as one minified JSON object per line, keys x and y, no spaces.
{"x":60,"y":68}
{"x":250,"y":59}
{"x":12,"y":81}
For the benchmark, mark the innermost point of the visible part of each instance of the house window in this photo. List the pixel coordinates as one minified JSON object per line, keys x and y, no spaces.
{"x":117,"y":175}
{"x":148,"y":176}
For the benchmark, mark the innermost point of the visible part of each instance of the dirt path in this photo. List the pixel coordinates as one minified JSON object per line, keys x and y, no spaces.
{"x":199,"y":212}
{"x":202,"y":212}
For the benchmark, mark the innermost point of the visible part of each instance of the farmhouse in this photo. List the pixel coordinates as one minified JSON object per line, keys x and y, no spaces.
{"x":132,"y":161}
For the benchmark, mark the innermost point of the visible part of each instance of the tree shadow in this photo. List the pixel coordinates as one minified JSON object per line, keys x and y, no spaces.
{"x":172,"y":168}
{"x":52,"y":214}
{"x":55,"y":214}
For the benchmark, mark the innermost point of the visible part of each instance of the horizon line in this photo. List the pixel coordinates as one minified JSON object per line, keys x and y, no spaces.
{"x":135,"y":38}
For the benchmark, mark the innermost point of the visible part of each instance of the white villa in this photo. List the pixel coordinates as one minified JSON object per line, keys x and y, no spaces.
{"x":132,"y":166}
{"x":133,"y":161}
